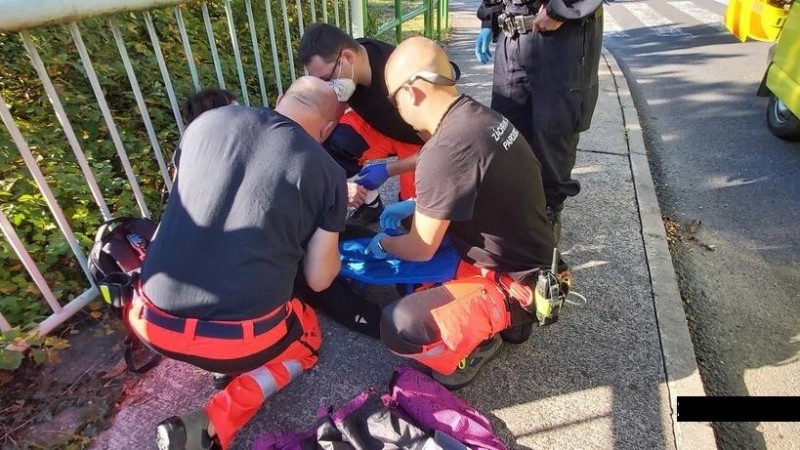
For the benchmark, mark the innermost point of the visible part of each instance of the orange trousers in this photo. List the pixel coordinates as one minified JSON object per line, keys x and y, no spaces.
{"x":442,"y":325}
{"x":297,"y":339}
{"x":382,"y":146}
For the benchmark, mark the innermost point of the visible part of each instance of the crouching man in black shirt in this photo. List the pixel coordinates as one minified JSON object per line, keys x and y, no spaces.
{"x":477,"y":180}
{"x":257,"y":201}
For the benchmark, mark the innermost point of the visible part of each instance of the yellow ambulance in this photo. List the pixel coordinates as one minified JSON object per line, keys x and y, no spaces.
{"x":774,"y":21}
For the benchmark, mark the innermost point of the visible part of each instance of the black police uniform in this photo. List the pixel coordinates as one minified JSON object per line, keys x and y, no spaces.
{"x":546,"y":82}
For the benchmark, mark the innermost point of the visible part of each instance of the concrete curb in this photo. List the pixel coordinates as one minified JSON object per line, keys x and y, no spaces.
{"x":680,"y":365}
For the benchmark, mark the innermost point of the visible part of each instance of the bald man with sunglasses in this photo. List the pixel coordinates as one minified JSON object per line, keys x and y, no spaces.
{"x":477,"y":181}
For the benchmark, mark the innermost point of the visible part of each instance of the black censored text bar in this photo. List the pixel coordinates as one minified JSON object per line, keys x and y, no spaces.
{"x":738,"y":409}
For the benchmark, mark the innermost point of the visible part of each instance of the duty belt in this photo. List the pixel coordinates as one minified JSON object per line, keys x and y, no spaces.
{"x":511,"y":24}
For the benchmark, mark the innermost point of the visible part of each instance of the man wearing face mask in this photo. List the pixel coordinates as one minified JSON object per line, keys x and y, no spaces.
{"x":372,"y":129}
{"x":257,"y":201}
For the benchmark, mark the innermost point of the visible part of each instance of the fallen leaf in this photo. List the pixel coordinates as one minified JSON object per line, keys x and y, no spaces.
{"x":116,"y":370}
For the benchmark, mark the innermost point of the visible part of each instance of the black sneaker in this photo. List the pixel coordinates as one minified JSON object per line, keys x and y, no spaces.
{"x":221,"y":380}
{"x":469,"y":367}
{"x":366,"y":214}
{"x":187,"y":432}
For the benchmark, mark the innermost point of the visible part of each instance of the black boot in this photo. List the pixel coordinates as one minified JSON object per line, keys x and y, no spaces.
{"x":518,"y":334}
{"x":554,"y":217}
{"x":187,"y":432}
{"x":521,"y":325}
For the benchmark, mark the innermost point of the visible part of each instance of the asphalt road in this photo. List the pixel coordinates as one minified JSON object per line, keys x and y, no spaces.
{"x":735,"y":190}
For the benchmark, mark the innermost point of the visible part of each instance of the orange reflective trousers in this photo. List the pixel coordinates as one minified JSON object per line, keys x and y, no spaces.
{"x":471,"y":308}
{"x":280,"y":345}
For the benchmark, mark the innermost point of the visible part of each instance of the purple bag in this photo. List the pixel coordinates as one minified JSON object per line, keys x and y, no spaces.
{"x":432,"y":406}
{"x":417,"y":413}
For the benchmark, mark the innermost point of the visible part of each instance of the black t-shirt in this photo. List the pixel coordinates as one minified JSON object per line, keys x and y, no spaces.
{"x":372,"y":103}
{"x":479,"y":172}
{"x":253,"y":188}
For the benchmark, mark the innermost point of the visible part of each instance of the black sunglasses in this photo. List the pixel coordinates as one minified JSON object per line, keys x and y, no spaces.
{"x":430,"y":77}
{"x":338,"y":60}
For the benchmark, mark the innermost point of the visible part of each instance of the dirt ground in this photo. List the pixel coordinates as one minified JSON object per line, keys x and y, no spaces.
{"x":63,"y":404}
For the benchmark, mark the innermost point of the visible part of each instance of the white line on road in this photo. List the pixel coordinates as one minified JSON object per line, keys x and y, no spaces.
{"x":702,"y":15}
{"x":654,"y":20}
{"x":722,"y":2}
{"x":610,"y":26}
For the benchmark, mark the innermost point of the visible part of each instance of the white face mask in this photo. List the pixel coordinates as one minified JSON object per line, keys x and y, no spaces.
{"x":344,"y":87}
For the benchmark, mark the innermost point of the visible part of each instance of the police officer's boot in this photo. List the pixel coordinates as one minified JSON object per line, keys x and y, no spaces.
{"x":554,"y":217}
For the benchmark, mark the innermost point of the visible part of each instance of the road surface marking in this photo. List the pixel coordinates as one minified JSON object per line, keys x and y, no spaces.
{"x":652,"y":19}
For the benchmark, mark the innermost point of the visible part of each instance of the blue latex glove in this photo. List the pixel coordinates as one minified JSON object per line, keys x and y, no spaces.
{"x":372,"y":177}
{"x":394,"y":213}
{"x":374,"y":248}
{"x":482,"y":52}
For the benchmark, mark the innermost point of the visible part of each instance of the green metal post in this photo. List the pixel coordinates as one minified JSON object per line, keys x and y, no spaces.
{"x":365,"y":6}
{"x":438,"y":20}
{"x":398,"y":14}
{"x":427,"y":29}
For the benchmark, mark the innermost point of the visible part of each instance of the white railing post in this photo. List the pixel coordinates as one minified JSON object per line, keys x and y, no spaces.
{"x":357,"y":15}
{"x":19,"y":15}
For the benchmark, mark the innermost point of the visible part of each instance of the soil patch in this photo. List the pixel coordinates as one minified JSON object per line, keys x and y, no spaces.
{"x":63,"y":404}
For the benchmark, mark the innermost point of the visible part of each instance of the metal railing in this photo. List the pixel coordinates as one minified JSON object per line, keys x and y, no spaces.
{"x":433,"y":12}
{"x":135,"y":59}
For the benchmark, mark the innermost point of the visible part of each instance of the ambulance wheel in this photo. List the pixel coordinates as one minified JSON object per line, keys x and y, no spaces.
{"x":781,"y":121}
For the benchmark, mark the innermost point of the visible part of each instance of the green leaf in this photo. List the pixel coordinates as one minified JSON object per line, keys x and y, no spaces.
{"x":11,"y":335}
{"x":26,"y":198}
{"x":39,"y":355}
{"x":56,"y":343}
{"x":10,"y":359}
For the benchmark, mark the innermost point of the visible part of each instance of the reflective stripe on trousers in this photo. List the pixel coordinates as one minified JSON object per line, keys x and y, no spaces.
{"x":230,"y":409}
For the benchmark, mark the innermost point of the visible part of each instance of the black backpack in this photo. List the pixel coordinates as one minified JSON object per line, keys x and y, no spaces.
{"x":115,"y":262}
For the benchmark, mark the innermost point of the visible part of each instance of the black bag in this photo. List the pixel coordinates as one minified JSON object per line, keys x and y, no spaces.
{"x":120,"y":246}
{"x":115,"y":261}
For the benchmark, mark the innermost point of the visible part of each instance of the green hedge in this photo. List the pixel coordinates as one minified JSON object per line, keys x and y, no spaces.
{"x":20,"y":301}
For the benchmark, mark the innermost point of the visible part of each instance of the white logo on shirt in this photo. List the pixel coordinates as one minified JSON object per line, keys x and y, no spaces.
{"x":497,"y":133}
{"x":511,"y":138}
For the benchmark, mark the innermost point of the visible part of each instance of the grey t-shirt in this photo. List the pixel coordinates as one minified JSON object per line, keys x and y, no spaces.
{"x":253,"y":188}
{"x":479,"y":172}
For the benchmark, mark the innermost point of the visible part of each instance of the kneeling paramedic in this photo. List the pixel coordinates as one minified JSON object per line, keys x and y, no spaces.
{"x":257,"y":200}
{"x":478,"y":181}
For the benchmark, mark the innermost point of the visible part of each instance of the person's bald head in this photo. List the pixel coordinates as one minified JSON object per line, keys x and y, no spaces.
{"x":312,"y":93}
{"x":415,"y":55}
{"x":420,"y":82}
{"x":311,"y":103}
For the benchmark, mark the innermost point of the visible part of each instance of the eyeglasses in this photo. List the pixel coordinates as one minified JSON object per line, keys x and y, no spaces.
{"x":430,"y":77}
{"x":338,"y":61}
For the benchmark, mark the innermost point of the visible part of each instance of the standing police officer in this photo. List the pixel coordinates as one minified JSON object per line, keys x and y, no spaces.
{"x":545,"y":80}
